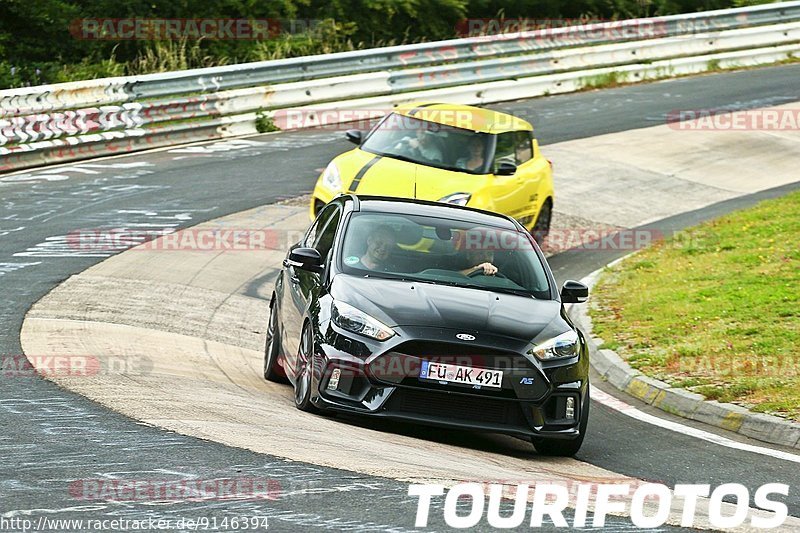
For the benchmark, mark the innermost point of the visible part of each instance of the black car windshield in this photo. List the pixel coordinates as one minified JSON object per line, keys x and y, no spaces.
{"x":431,"y":144}
{"x":443,"y":251}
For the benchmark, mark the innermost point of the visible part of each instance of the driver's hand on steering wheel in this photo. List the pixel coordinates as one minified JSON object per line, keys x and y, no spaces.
{"x":488,"y":269}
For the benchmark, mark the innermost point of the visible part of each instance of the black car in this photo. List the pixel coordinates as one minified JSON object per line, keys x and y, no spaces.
{"x":430,"y":313}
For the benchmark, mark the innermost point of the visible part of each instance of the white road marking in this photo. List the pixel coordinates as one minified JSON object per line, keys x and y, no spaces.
{"x":631,"y":411}
{"x":289,"y":141}
{"x":134,"y":164}
{"x":4,"y":232}
{"x":30,"y":177}
{"x":61,"y":172}
{"x":6,"y":268}
{"x":77,"y":169}
{"x":220,"y":146}
{"x":101,"y":241}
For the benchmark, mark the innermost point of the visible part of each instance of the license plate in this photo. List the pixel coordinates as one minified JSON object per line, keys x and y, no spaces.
{"x":465,"y":375}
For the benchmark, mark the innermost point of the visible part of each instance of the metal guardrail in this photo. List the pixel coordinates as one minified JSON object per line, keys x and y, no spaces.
{"x":76,"y":120}
{"x":314,"y":67}
{"x":123,"y":89}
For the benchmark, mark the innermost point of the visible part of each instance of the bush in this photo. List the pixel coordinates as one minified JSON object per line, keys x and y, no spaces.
{"x":37,"y":47}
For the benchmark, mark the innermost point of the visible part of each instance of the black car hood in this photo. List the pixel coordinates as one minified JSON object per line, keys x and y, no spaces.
{"x":406,"y":303}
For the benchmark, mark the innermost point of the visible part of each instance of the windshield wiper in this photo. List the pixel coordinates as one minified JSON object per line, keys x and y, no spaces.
{"x":396,"y":156}
{"x":505,"y":290}
{"x":455,"y":169}
{"x":387,"y":275}
{"x":418,"y":162}
{"x":396,"y":277}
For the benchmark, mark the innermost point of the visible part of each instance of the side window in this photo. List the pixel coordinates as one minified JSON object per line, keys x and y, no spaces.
{"x":504,"y":152}
{"x":524,"y":146}
{"x":311,"y":237}
{"x":325,"y":238}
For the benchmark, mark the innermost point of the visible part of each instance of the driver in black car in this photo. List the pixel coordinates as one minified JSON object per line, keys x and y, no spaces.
{"x":482,"y":259}
{"x":380,"y":243}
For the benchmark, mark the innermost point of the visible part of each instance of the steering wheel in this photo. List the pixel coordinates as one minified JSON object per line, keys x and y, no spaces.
{"x":479,"y":272}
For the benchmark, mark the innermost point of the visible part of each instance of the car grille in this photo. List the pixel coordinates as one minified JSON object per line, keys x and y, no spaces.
{"x":463,"y":354}
{"x":456,"y":407}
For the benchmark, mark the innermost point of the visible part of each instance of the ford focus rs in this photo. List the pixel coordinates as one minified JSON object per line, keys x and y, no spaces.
{"x":430,"y":313}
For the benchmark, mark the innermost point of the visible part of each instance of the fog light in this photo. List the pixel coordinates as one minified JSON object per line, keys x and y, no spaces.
{"x":333,"y":383}
{"x":569,"y":410}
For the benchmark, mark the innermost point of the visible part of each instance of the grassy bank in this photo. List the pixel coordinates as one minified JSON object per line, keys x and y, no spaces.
{"x":716,"y":311}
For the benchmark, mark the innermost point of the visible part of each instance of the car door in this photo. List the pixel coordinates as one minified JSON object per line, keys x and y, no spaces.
{"x":506,"y":190}
{"x":529,"y":175}
{"x":302,"y":286}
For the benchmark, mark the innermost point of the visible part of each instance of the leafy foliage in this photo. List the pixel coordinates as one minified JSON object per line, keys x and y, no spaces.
{"x":36,"y":45}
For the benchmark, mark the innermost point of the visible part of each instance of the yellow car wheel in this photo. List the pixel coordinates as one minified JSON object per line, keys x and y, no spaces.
{"x":542,"y":225}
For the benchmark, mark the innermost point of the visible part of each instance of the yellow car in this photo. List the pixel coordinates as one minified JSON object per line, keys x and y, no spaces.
{"x":455,"y":154}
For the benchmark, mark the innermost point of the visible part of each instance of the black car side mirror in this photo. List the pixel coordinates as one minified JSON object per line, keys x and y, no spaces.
{"x":574,"y":292}
{"x":306,"y":259}
{"x":506,"y":169}
{"x":354,"y":136}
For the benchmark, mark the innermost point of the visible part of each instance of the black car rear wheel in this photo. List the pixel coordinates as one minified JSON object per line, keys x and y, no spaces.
{"x":305,"y":371}
{"x":272,"y":371}
{"x":565,"y":448}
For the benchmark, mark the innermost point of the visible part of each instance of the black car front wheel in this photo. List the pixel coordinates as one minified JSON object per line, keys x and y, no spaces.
{"x":272,"y":371}
{"x":305,"y":372}
{"x":565,"y":448}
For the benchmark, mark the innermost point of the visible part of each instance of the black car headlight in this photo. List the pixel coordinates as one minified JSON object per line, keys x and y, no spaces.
{"x":560,"y":347}
{"x":348,"y":317}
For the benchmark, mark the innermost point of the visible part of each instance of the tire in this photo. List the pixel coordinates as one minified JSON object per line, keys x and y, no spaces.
{"x":305,"y":372}
{"x":561,"y":447}
{"x":318,"y":205}
{"x":542,"y":225}
{"x":272,"y":370}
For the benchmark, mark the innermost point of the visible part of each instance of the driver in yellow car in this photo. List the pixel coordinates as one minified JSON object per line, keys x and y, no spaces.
{"x":423,"y":144}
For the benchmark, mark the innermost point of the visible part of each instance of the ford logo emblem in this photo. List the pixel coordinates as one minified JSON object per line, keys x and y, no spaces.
{"x":465,"y":337}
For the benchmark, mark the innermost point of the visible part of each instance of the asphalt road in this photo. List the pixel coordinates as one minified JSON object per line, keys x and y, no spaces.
{"x":50,"y":438}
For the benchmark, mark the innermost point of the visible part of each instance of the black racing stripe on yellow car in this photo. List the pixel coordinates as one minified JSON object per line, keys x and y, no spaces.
{"x":416,"y":109}
{"x":364,"y":169}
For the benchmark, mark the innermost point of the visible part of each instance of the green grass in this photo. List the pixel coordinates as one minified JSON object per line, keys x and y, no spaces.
{"x":715,"y":310}
{"x":264,"y":123}
{"x":603,"y":81}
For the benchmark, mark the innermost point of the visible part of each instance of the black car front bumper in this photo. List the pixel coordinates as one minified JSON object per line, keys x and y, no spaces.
{"x":382,"y":379}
